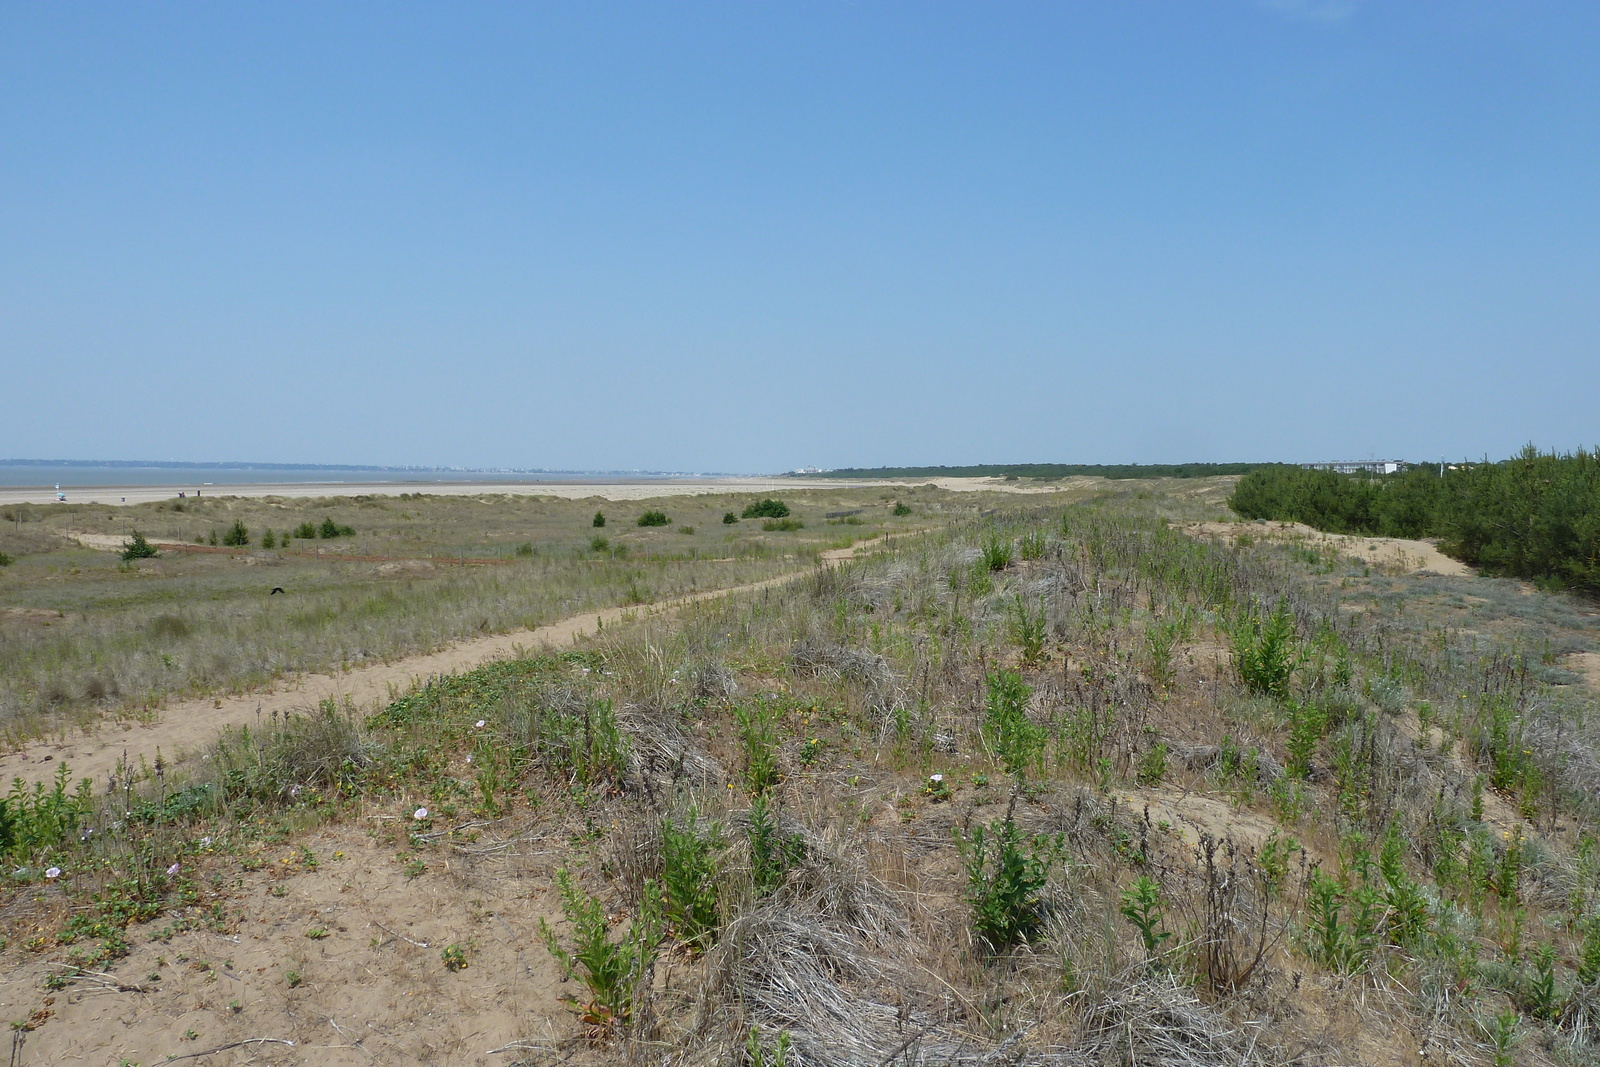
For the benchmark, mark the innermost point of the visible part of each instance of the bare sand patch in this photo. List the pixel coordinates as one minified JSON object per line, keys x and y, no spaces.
{"x":1586,"y":664}
{"x":30,"y":616}
{"x":374,"y":988}
{"x":1410,"y":556}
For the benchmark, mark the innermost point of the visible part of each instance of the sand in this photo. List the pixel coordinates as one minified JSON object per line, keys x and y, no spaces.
{"x":1412,"y":556}
{"x":621,"y":489}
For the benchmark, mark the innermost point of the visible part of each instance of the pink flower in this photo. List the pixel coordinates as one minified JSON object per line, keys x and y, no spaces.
{"x":53,"y":873}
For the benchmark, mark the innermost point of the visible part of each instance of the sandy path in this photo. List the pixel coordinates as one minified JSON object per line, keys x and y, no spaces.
{"x":1388,"y":551}
{"x":188,"y":725}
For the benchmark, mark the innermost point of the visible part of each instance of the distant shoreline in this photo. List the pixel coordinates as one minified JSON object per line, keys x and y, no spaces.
{"x":618,"y":488}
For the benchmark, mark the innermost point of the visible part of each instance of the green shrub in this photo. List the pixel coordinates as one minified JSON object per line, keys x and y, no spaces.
{"x":729,"y":518}
{"x":269,"y":540}
{"x":1014,"y":737}
{"x":5,"y":560}
{"x":237,"y":536}
{"x":1004,"y":876}
{"x":306,"y":532}
{"x":598,"y":544}
{"x":759,"y":736}
{"x":1153,"y":764}
{"x":772,"y":852}
{"x":783,"y":525}
{"x":1265,"y":655}
{"x":611,"y":971}
{"x":136,"y":547}
{"x":997,"y":552}
{"x":524,"y":550}
{"x":599,"y":519}
{"x":653,"y":518}
{"x":1027,"y":628}
{"x":1032,"y":545}
{"x":766,"y":509}
{"x":901,"y":509}
{"x":330,"y":529}
{"x":689,"y":881}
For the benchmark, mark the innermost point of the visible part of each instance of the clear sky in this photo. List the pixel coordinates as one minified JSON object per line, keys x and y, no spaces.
{"x":751,"y":236}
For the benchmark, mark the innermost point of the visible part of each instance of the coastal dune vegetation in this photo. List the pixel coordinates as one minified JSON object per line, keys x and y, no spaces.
{"x":1039,"y":785}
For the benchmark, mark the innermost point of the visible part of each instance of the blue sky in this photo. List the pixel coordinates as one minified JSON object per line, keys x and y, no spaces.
{"x":746,"y":237}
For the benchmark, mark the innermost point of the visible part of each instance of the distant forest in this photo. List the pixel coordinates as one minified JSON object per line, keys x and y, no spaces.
{"x":1535,"y":515}
{"x":1048,"y":471}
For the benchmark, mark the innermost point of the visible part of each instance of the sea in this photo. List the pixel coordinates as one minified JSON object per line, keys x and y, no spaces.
{"x":43,"y":474}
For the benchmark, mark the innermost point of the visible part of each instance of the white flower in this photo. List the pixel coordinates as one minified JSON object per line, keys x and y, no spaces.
{"x":205,"y":842}
{"x":480,"y":724}
{"x":420,"y":813}
{"x":469,"y":757}
{"x":935,"y":778}
{"x":172,"y":870}
{"x":53,"y":873}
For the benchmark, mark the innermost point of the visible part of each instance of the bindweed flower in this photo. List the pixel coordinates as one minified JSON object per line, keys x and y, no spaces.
{"x":205,"y":842}
{"x":935,"y":778}
{"x":53,"y":873}
{"x":420,"y":814}
{"x":469,"y":757}
{"x":480,"y":724}
{"x":172,"y":870}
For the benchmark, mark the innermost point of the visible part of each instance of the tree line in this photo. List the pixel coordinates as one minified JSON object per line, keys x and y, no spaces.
{"x":1535,"y":515}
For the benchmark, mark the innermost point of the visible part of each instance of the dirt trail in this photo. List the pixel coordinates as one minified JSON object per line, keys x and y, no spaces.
{"x":188,"y":725}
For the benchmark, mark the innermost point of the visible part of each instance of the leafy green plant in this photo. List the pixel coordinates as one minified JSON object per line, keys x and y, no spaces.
{"x":306,"y":532}
{"x":37,"y":819}
{"x":610,"y":970}
{"x":598,"y":544}
{"x":1541,"y":998}
{"x":6,"y":561}
{"x":772,"y":852}
{"x":1004,"y":875}
{"x":1502,"y":1034}
{"x":1032,"y":545}
{"x":1265,"y":654}
{"x":689,"y":871}
{"x":1010,"y":733}
{"x":729,"y":518}
{"x":598,"y":520}
{"x":454,"y":957}
{"x":758,"y":735}
{"x":653,"y":518}
{"x":136,"y":547}
{"x":1153,"y":764}
{"x":766,"y":509}
{"x":1589,"y":953}
{"x":758,"y":1053}
{"x":997,"y":552}
{"x":1306,"y":723}
{"x":269,"y":540}
{"x":1028,"y":628}
{"x":900,"y":510}
{"x":1141,"y":906}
